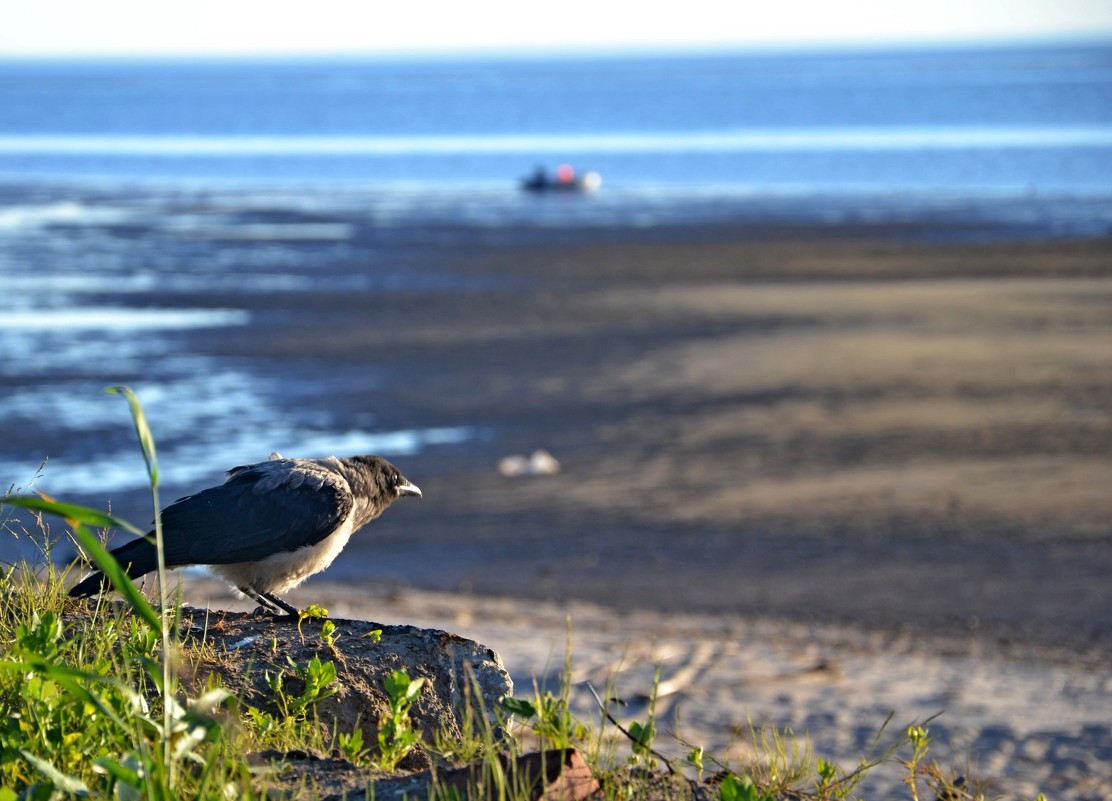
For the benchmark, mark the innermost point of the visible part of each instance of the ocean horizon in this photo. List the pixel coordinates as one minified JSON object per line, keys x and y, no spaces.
{"x":969,"y":120}
{"x":134,"y":195}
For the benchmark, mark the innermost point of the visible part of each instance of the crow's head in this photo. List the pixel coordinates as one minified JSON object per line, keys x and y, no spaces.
{"x":383,"y":479}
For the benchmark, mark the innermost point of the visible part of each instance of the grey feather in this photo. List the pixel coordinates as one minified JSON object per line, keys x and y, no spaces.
{"x":270,"y":525}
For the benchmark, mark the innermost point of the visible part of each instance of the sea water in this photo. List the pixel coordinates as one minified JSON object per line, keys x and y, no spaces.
{"x":688,"y":136}
{"x":140,"y":199}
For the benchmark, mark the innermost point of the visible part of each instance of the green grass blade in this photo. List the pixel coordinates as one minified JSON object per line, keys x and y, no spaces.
{"x":146,"y":439}
{"x":67,"y":784}
{"x":169,"y":677}
{"x":107,"y":563}
{"x":120,"y":773}
{"x":75,"y":514}
{"x":77,"y":682}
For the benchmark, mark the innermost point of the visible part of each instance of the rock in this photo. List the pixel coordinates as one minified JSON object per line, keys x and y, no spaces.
{"x":461,"y":675}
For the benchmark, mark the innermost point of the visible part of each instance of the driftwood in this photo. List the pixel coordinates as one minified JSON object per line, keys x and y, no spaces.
{"x":542,"y":776}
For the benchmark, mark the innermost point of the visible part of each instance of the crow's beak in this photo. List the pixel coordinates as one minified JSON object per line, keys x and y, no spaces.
{"x":407,"y":489}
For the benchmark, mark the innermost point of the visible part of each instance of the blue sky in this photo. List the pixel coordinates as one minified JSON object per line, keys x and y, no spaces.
{"x":387,"y":27}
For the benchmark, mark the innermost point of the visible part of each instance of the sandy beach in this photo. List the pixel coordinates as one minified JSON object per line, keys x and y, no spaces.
{"x":823,"y":474}
{"x":1023,"y":723}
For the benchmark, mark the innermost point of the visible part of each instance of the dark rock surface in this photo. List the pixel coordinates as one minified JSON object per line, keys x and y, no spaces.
{"x":243,"y":649}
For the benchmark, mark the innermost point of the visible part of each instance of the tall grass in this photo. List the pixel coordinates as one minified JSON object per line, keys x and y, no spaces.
{"x":98,"y":679}
{"x":169,"y":677}
{"x":95,"y":708}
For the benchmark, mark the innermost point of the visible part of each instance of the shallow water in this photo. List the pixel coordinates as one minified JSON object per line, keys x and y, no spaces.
{"x":146,"y":285}
{"x":133,"y":289}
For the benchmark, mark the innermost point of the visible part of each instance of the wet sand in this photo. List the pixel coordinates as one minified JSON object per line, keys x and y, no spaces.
{"x":816,"y":425}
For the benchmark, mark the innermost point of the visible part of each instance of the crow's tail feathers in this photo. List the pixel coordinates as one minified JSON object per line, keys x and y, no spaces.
{"x":138,"y":558}
{"x":93,"y":585}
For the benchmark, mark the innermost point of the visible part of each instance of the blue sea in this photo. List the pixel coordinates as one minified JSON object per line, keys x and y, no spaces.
{"x":142,"y":203}
{"x":1019,"y":134}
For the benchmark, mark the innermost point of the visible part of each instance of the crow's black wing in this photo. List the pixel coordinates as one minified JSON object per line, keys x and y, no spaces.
{"x":261,"y":510}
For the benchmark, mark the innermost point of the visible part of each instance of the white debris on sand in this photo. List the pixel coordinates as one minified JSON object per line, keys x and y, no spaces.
{"x":540,"y":463}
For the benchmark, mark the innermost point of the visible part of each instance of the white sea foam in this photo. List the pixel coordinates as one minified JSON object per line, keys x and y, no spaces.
{"x":37,"y":215}
{"x":120,"y":319}
{"x":942,"y":137}
{"x":263,"y":231}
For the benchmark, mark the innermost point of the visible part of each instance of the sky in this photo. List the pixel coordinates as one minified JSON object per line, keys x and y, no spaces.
{"x":393,"y":27}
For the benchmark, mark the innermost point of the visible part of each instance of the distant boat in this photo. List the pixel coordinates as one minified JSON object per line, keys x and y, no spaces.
{"x":564,"y":180}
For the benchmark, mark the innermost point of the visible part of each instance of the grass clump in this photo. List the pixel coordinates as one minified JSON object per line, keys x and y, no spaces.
{"x":88,"y":714}
{"x":291,"y":723}
{"x":396,"y":735}
{"x":94,"y":704}
{"x":95,"y":709}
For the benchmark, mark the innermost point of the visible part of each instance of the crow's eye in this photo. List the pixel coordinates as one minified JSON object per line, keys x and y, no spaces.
{"x":396,"y":480}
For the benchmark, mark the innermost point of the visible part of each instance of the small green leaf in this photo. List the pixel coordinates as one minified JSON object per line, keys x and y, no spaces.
{"x":642,"y":736}
{"x":734,"y":788}
{"x":313,"y":611}
{"x":352,"y":743}
{"x":396,"y":686}
{"x":111,"y":767}
{"x":519,"y":706}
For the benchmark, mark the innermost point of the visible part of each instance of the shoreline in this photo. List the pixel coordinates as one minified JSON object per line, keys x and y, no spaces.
{"x":824,"y":424}
{"x":499,"y":210}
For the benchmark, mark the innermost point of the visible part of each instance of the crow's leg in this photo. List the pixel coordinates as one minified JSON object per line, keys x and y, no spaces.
{"x":273,"y":603}
{"x":269,"y":604}
{"x":290,"y":610}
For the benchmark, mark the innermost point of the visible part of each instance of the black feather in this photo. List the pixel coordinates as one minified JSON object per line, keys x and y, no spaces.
{"x":138,"y":558}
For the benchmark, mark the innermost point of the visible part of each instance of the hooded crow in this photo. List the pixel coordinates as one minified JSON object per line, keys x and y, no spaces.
{"x":269,"y":526}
